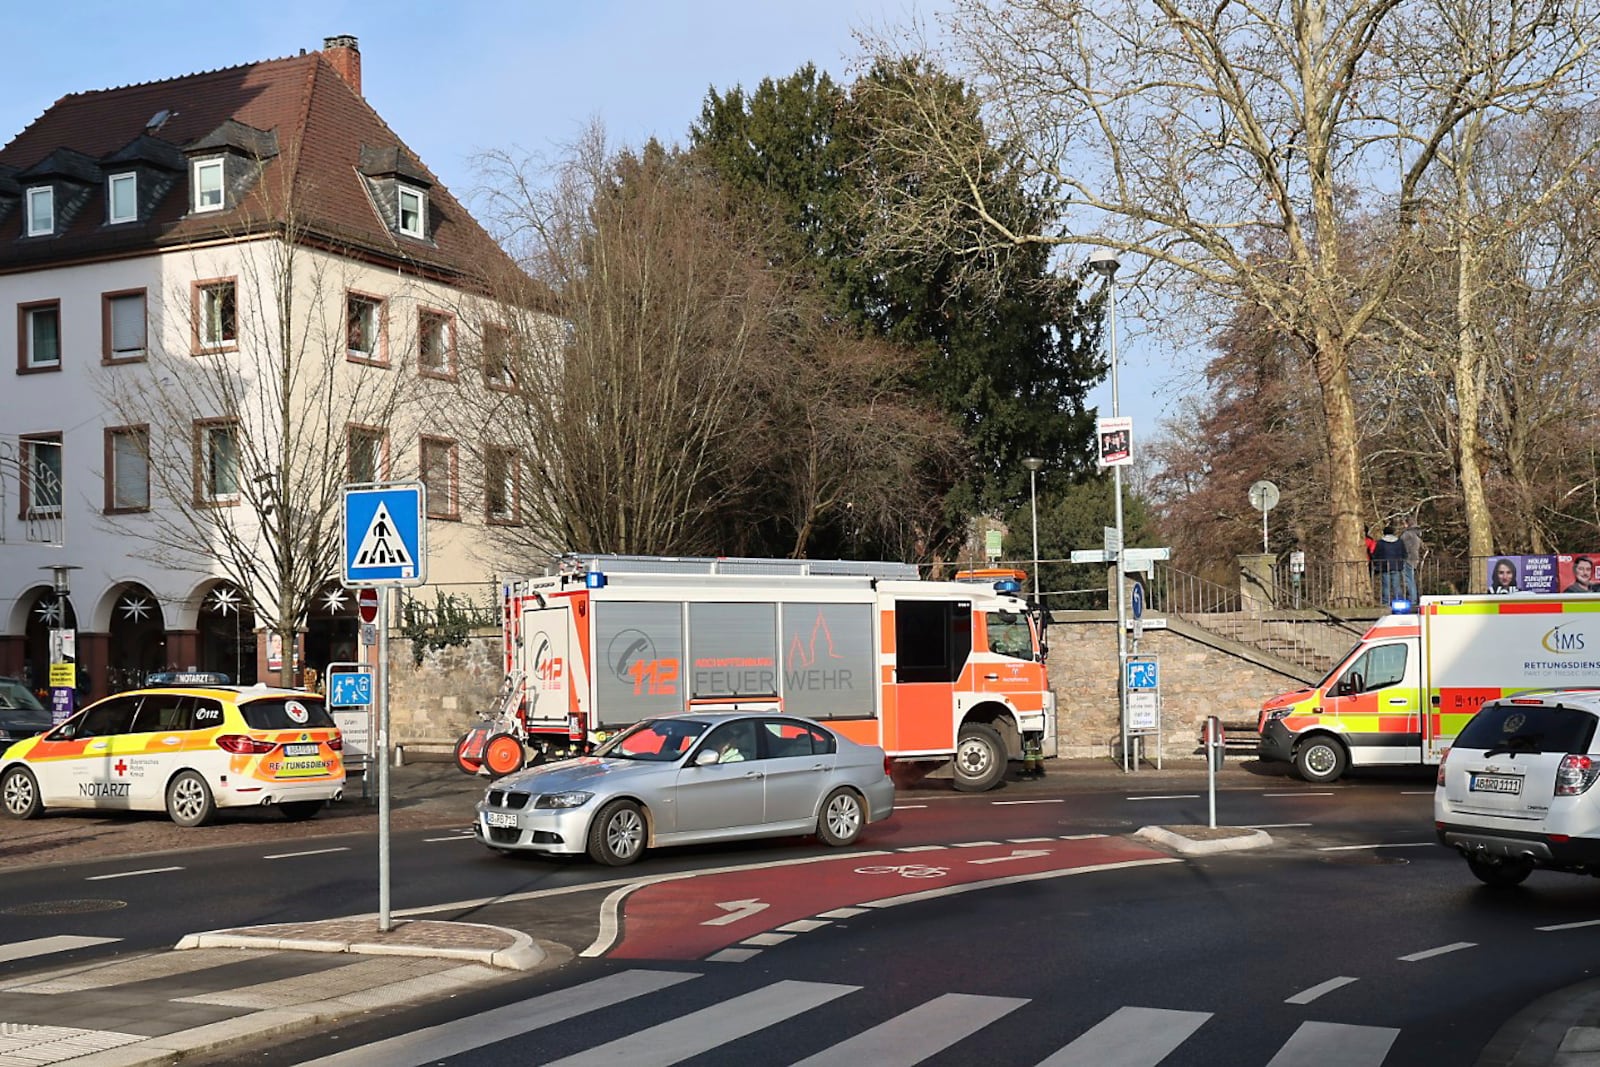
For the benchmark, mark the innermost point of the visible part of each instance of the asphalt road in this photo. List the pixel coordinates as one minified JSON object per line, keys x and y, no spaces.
{"x":1046,"y":929}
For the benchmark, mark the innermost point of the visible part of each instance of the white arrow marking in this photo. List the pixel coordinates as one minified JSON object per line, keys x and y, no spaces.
{"x":736,"y":909}
{"x":1016,"y":854}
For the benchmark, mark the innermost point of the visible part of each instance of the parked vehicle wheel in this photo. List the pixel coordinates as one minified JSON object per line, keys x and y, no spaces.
{"x":189,"y":800}
{"x":841,"y":820}
{"x":300,"y":810}
{"x":503,"y":754}
{"x":616,"y":837}
{"x":467,"y":742}
{"x":1500,"y":875}
{"x":980,"y":760}
{"x":20,"y":794}
{"x":1320,"y":759}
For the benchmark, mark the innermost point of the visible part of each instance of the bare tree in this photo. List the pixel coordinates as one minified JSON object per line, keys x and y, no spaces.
{"x":252,"y":382}
{"x":1229,"y":147}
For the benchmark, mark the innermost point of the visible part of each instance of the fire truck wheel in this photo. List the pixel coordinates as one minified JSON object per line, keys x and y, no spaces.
{"x":841,"y":819}
{"x":502,"y":755}
{"x":980,"y":760}
{"x":1320,"y":759}
{"x":468,"y":765}
{"x":616,"y":837}
{"x":1500,"y":875}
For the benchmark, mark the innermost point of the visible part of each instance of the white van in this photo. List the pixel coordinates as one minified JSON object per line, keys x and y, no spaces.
{"x":1514,"y":790}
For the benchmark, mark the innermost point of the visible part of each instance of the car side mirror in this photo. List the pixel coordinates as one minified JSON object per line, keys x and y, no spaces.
{"x":706,"y":757}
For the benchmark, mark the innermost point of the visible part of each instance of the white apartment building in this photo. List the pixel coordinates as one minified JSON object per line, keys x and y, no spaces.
{"x":234,"y":291}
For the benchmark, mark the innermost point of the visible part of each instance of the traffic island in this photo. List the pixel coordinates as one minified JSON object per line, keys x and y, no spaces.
{"x":1197,"y":840}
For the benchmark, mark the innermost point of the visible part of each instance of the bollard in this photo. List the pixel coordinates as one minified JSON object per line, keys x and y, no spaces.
{"x":1212,"y":737}
{"x":399,"y":755}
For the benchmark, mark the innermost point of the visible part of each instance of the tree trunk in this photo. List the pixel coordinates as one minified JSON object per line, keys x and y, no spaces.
{"x":1351,"y":581}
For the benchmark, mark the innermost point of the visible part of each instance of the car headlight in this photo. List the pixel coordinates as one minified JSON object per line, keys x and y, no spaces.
{"x":571,"y":799}
{"x":1277,"y":713}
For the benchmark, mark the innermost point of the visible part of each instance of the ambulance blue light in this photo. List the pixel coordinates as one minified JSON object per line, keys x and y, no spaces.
{"x":1401,"y":606}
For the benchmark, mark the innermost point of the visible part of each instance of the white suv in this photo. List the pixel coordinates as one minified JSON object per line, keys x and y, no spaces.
{"x":1513,"y":790}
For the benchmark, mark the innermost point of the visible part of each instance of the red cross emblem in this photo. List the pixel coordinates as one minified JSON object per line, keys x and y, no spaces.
{"x":121,"y":767}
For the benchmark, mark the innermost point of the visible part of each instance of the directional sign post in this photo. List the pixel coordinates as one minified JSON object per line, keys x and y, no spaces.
{"x":385,"y":544}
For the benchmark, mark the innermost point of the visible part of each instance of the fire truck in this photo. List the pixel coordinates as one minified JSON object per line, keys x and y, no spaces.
{"x":946,"y":672}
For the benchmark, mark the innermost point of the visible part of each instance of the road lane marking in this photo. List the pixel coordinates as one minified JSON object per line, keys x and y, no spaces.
{"x":1016,"y":854}
{"x":1170,"y":796}
{"x":1569,"y":926}
{"x":1015,"y":879}
{"x":804,"y":926}
{"x":440,"y":1042}
{"x":1396,"y":844}
{"x":1349,"y":1046}
{"x":1135,"y":1037}
{"x":1429,"y":953}
{"x":973,"y":844}
{"x":767,"y":940}
{"x":1027,"y":840}
{"x":842,"y":913}
{"x":922,"y":848}
{"x":710,"y":1028}
{"x":1298,"y":793}
{"x":736,"y":910}
{"x":1306,"y":996}
{"x":1081,"y":837}
{"x":297,"y":855}
{"x":1416,"y":792}
{"x":733,"y":955}
{"x":130,"y":874}
{"x":464,"y":835}
{"x":913,"y":1036}
{"x":610,"y":926}
{"x":909,"y":807}
{"x":1003,"y":803}
{"x":1275,"y":825}
{"x":43,"y":946}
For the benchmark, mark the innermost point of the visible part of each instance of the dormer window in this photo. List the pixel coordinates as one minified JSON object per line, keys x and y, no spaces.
{"x":207,"y":177}
{"x":41,"y":211}
{"x":122,"y":198}
{"x":413,"y":212}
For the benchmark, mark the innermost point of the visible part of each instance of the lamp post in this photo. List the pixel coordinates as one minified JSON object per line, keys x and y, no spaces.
{"x":63,"y":644}
{"x":1104,"y":262}
{"x":1034,"y":464}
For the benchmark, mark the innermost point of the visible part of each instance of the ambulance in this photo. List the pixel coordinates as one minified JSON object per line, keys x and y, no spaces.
{"x":185,"y":749}
{"x":930,"y":671}
{"x":1403,"y":693}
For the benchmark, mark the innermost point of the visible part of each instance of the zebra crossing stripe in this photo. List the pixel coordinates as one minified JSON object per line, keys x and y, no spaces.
{"x":513,"y":1020}
{"x":1335,"y":1045}
{"x":43,"y":946}
{"x":1130,"y":1037}
{"x":913,"y":1036}
{"x":701,"y":1031}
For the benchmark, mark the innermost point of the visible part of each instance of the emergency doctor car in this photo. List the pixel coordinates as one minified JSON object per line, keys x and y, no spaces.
{"x":188,"y":750}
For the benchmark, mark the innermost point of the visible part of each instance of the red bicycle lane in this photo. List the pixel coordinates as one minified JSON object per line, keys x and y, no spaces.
{"x":692,"y":918}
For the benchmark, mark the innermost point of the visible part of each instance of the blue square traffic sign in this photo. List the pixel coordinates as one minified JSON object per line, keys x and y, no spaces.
{"x":385,"y":534}
{"x":350,"y":689}
{"x":1143,"y":674}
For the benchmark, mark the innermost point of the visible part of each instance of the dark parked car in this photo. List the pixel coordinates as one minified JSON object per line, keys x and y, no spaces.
{"x":21,"y":714}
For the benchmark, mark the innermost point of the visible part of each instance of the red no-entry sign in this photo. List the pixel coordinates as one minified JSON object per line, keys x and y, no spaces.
{"x":367,"y":604}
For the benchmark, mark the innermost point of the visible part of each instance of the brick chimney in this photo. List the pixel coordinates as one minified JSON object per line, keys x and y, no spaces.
{"x":344,"y":53}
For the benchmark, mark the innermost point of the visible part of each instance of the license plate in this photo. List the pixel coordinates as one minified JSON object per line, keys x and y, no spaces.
{"x":1496,"y":783}
{"x":501,"y":818}
{"x":299,"y":750}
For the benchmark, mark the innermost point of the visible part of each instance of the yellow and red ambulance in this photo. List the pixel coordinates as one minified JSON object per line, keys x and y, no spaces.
{"x":929,"y":671}
{"x":1400,"y":696}
{"x":185,"y":749}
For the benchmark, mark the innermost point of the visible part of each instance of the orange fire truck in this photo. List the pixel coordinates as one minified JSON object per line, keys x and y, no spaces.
{"x":931,"y":671}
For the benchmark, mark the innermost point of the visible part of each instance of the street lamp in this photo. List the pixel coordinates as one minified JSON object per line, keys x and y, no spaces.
{"x":1104,"y":262}
{"x":1034,"y":464}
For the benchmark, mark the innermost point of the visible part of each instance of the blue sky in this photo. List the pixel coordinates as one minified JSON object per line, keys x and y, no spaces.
{"x":456,"y":79}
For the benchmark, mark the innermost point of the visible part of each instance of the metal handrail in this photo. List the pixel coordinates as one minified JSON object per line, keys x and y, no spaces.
{"x":1227,"y":613}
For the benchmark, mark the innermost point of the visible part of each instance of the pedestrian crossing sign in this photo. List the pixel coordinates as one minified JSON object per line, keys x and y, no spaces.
{"x":385,"y":534}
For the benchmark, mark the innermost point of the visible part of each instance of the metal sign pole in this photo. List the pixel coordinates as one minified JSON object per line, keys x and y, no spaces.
{"x":385,"y":922}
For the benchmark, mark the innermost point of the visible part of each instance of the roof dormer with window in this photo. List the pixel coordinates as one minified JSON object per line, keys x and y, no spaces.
{"x":224,"y":165}
{"x":138,"y":177}
{"x":399,"y":189}
{"x":55,"y":190}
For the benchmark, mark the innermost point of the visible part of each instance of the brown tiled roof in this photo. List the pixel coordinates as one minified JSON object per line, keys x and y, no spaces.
{"x":324,"y":132}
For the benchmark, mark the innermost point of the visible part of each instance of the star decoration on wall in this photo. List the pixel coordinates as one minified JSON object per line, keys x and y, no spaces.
{"x":49,"y":613}
{"x":136,"y":608}
{"x":334,"y":601}
{"x":224,"y":600}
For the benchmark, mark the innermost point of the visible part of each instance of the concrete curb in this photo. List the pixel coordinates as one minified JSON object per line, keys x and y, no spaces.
{"x":521,"y":954}
{"x":1205,"y":840}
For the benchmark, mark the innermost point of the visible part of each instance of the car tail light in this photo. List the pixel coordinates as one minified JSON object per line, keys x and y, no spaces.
{"x":1439,"y":781}
{"x":240,"y":745}
{"x":1576,"y":774}
{"x":888,"y":766}
{"x":336,"y":742}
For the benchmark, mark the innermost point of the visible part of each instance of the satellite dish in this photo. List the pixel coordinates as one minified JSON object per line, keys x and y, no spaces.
{"x":1263,"y":496}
